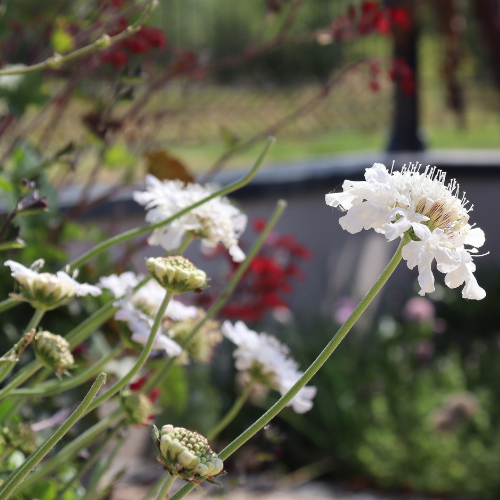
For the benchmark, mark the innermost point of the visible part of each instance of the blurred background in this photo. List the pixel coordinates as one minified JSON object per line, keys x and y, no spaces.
{"x":410,"y":401}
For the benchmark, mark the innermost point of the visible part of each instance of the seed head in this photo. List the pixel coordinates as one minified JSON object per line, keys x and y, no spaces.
{"x":53,"y":351}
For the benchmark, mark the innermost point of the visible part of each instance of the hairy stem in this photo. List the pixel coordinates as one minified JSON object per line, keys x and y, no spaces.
{"x":56,"y":386}
{"x":21,"y":472}
{"x":315,"y":366}
{"x":162,"y":372}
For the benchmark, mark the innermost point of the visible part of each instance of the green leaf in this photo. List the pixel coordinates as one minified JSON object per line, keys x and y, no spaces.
{"x":62,"y":41}
{"x":5,"y":185}
{"x":118,"y":156}
{"x":8,"y":245}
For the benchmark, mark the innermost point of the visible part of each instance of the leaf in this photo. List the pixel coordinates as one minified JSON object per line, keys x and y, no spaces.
{"x":163,"y":166}
{"x":8,"y":245}
{"x":118,"y":156}
{"x":5,"y":185}
{"x":62,"y":41}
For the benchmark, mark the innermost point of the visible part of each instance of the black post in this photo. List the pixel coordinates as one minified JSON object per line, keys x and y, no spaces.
{"x":405,"y":123}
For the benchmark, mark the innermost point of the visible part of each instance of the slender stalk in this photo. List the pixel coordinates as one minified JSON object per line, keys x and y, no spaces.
{"x":71,"y":449}
{"x":35,"y":320}
{"x":140,"y":360}
{"x":187,"y":240}
{"x":89,"y":462}
{"x":21,"y":472}
{"x":162,"y":372}
{"x":315,"y":366}
{"x":163,"y":492}
{"x":104,"y":42}
{"x":56,"y":386}
{"x":231,"y":414}
{"x":90,"y":495}
{"x":141,"y":230}
{"x":7,"y":304}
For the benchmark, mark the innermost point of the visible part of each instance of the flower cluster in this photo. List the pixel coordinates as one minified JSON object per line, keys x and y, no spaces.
{"x":421,"y":205}
{"x":267,"y":362}
{"x":138,"y":310}
{"x":53,"y":351}
{"x":187,"y":454}
{"x":47,"y":291}
{"x":176,"y":274}
{"x":216,"y":221}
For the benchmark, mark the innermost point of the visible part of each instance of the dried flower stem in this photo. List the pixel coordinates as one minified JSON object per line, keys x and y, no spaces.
{"x":21,"y":472}
{"x":35,"y":320}
{"x":315,"y":366}
{"x":231,"y":414}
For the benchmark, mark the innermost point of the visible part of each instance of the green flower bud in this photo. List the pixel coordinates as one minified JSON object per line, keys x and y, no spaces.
{"x":20,"y":436}
{"x":187,"y":454}
{"x":53,"y":351}
{"x":137,"y":406}
{"x":176,"y":274}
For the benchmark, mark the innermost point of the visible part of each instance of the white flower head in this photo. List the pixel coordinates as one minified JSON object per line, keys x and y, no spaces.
{"x":45,"y":290}
{"x":216,"y":221}
{"x":267,"y":362}
{"x":423,"y":206}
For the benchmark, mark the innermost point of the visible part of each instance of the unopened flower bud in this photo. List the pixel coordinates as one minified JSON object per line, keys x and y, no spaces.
{"x":53,"y":351}
{"x":176,"y":274}
{"x":104,"y":42}
{"x":20,"y":436}
{"x":187,"y":454}
{"x":136,"y":405}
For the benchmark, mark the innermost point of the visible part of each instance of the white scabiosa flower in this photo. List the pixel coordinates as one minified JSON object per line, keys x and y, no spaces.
{"x":216,"y":221}
{"x":267,"y":362}
{"x":140,"y":325}
{"x":423,"y":206}
{"x":45,"y":290}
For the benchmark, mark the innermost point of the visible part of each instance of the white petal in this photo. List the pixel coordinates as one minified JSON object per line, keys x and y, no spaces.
{"x":411,"y":253}
{"x":396,"y":229}
{"x":455,"y":278}
{"x":472,"y":290}
{"x":236,"y":253}
{"x":475,"y":237}
{"x":422,"y":231}
{"x":345,"y":200}
{"x":377,"y":173}
{"x":425,"y":276}
{"x":366,"y":215}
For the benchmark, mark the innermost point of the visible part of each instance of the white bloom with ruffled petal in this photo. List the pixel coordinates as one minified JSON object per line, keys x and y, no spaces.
{"x":422,"y":205}
{"x":216,"y":221}
{"x":265,"y":358}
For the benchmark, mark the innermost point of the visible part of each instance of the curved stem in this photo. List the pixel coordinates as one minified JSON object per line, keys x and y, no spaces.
{"x":56,"y":386}
{"x":71,"y":449}
{"x":35,"y":320}
{"x":146,"y":229}
{"x":103,"y":43}
{"x":140,"y":360}
{"x":231,"y":414}
{"x":315,"y":366}
{"x":21,"y":472}
{"x":7,"y":304}
{"x":163,"y":492}
{"x":162,"y":372}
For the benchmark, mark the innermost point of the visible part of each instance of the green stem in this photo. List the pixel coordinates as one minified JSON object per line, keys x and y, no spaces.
{"x":102,"y":469}
{"x":56,"y":386}
{"x":102,"y":43}
{"x":315,"y":366}
{"x":163,"y":492}
{"x":21,"y":472}
{"x":90,"y":461}
{"x":155,"y":379}
{"x":140,"y":360}
{"x":7,"y":304}
{"x":231,"y":414}
{"x":153,"y":489}
{"x":35,"y":320}
{"x":71,"y":449}
{"x":187,"y":240}
{"x":120,"y":238}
